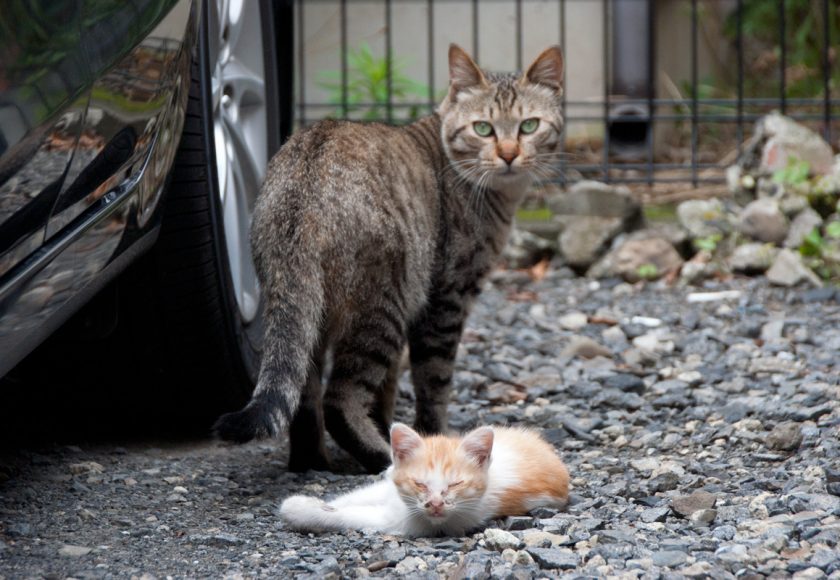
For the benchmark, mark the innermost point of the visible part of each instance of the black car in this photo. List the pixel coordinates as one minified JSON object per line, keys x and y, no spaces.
{"x":134,"y":135}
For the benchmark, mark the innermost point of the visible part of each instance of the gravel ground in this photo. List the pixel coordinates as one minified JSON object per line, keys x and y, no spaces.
{"x":703,"y":440}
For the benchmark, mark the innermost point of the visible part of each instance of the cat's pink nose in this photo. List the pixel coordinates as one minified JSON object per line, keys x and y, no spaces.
{"x":435,"y":505}
{"x":507,"y":150}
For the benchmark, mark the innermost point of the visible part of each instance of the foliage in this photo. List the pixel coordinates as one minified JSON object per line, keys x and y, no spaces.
{"x":542,"y":214}
{"x":822,"y":253}
{"x":804,"y":23}
{"x":647,"y":272}
{"x":795,"y":173}
{"x":812,"y":243}
{"x":708,"y":243}
{"x":367,"y":85}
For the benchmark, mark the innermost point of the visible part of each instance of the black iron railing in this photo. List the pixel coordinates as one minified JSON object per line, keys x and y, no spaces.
{"x":626,"y":148}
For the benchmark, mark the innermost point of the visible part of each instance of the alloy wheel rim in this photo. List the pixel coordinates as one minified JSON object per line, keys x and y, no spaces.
{"x":239,"y":133}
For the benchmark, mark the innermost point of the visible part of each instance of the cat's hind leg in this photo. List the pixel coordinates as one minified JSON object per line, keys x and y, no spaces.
{"x":362,"y":360}
{"x":306,"y":434}
{"x":310,"y":514}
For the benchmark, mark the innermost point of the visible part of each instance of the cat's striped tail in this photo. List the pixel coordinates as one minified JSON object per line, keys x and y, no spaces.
{"x":294,"y":305}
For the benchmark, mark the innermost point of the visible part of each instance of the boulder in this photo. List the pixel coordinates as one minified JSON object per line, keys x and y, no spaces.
{"x":636,"y":259}
{"x":753,"y":258}
{"x":524,"y":249}
{"x":784,"y":140}
{"x":762,"y":220}
{"x":585,"y":238}
{"x":592,"y":214}
{"x":801,"y":226}
{"x":703,"y":217}
{"x":829,"y":183}
{"x":594,"y":198}
{"x":788,"y":270}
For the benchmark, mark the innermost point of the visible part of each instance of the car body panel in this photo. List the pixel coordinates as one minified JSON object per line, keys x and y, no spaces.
{"x":127,"y":120}
{"x":44,"y":86}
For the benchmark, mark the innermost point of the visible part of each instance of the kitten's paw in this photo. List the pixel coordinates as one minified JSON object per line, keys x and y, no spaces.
{"x":255,"y":421}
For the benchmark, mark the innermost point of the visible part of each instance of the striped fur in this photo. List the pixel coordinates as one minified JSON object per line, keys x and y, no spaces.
{"x":368,"y":237}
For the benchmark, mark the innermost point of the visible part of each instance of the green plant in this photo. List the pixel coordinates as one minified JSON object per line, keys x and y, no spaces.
{"x":708,"y":243}
{"x":812,"y":244}
{"x":804,"y":43}
{"x":647,"y":271}
{"x":366,"y":87}
{"x":821,"y":252}
{"x":795,"y":173}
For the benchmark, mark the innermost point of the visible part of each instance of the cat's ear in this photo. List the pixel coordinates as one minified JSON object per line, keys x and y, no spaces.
{"x":463,"y":72}
{"x":547,"y":69}
{"x":405,"y":442}
{"x":478,"y":444}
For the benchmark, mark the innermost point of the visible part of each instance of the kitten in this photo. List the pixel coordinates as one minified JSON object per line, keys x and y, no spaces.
{"x":442,"y":485}
{"x":368,"y":237}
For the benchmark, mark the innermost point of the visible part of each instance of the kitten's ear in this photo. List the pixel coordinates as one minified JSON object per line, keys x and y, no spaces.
{"x":463,"y":72}
{"x":547,"y":70}
{"x":404,"y":442}
{"x":478,"y":444}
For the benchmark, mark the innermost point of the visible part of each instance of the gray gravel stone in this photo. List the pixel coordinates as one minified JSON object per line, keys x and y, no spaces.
{"x":637,"y":438}
{"x":657,"y":514}
{"x":685,"y":505}
{"x":554,"y":559}
{"x":785,"y":437}
{"x":669,"y":558}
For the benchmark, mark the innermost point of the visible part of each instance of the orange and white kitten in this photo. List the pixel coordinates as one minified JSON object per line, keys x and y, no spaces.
{"x":441,"y":485}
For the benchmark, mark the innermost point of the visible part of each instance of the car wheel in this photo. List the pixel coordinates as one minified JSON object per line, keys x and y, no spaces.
{"x":207,"y":288}
{"x":175,"y":340}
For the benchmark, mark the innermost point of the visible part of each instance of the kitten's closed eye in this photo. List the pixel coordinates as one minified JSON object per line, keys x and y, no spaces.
{"x":420,"y":485}
{"x":455,"y":484}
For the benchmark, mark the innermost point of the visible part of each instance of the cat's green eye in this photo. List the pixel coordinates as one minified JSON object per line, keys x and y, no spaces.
{"x":483,"y":128}
{"x":528,"y":126}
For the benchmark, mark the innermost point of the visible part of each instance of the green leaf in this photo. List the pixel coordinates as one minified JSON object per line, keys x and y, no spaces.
{"x":812,"y":243}
{"x":794,"y":173}
{"x":832,"y":230}
{"x":647,"y":271}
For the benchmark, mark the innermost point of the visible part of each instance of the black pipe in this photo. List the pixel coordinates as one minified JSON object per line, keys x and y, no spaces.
{"x":632,"y":78}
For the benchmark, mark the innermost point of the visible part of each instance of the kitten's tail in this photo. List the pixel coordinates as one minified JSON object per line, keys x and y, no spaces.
{"x":293,"y":316}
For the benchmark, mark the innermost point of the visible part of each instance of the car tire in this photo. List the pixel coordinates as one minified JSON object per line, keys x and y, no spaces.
{"x":212,"y":348}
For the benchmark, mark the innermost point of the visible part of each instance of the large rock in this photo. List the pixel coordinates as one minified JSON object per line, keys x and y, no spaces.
{"x":703,"y":217}
{"x":593,"y":198}
{"x":801,"y":226}
{"x":762,"y":220}
{"x":585,"y":238}
{"x":830,"y":183}
{"x":592,"y":214}
{"x":788,"y":270}
{"x":636,"y":259}
{"x":525,"y":249}
{"x":753,"y":258}
{"x":784,"y":139}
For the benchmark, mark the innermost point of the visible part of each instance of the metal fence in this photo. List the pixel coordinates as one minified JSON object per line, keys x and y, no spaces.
{"x":638,"y":122}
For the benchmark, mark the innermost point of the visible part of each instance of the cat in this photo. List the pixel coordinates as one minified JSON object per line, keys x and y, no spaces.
{"x":441,"y":485}
{"x":367,"y":237}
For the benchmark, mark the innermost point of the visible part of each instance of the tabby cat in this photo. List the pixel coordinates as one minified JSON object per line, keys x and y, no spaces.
{"x":367,"y":237}
{"x":442,"y":485}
